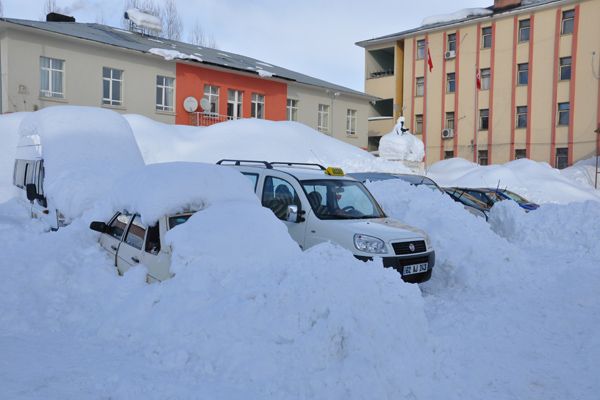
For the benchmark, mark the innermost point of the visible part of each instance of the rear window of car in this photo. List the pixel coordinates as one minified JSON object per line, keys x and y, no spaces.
{"x":178,"y":219}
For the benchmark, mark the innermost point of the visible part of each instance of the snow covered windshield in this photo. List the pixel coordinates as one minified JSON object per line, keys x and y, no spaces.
{"x":341,"y":199}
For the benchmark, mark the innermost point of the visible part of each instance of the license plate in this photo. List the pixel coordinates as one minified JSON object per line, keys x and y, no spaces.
{"x":415,"y":268}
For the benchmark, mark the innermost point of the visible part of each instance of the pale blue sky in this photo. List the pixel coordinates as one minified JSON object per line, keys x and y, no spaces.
{"x":313,"y":37}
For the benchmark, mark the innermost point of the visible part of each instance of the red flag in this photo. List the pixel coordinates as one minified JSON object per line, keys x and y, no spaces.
{"x":429,"y":61}
{"x":478,"y":77}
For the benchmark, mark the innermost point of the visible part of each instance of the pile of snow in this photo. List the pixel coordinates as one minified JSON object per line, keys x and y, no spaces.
{"x":169,"y":54}
{"x":456,"y":16}
{"x":251,"y":139}
{"x":583,"y":171}
{"x":169,"y":188}
{"x":9,"y":138}
{"x":84,"y":150}
{"x":399,"y":145}
{"x":536,"y":181}
{"x":265,"y":74}
{"x":144,"y":20}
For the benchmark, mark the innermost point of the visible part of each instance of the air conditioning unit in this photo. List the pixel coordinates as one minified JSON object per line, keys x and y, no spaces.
{"x":447,"y":133}
{"x":449,"y":54}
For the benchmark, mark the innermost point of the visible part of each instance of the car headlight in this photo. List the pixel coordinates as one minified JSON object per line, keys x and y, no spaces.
{"x":369,"y":244}
{"x":427,"y":241}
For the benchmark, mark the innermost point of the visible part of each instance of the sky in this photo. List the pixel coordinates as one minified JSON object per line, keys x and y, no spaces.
{"x":312,"y":37}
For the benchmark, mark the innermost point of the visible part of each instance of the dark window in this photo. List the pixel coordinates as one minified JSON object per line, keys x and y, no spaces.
{"x":277,"y":195}
{"x":482,"y":157}
{"x":448,"y":154}
{"x":419,"y":123}
{"x":253,"y":178}
{"x":563,"y":113}
{"x":562,"y":158}
{"x":420,"y":49}
{"x":486,"y":37}
{"x":153,"y":240}
{"x":565,"y":68}
{"x":484,"y":116}
{"x":136,"y":233}
{"x":568,"y":22}
{"x":520,"y":153}
{"x":449,"y":120}
{"x":118,"y":225}
{"x":178,"y":220}
{"x":452,"y":42}
{"x":524,"y":26}
{"x":523,"y":74}
{"x":522,"y":117}
{"x":451,"y":82}
{"x":420,"y":86}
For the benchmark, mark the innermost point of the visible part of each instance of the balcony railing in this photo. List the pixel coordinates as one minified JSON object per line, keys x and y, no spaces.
{"x":207,"y":119}
{"x":381,"y":74}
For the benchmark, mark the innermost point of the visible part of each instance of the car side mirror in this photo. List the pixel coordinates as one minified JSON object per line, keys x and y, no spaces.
{"x":99,"y":226}
{"x":31,"y":192}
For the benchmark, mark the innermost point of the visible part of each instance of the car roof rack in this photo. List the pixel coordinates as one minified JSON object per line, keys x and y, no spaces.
{"x":239,"y":162}
{"x":291,"y":164}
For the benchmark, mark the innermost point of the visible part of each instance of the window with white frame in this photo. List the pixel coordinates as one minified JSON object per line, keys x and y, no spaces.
{"x":211,"y":93}
{"x":52,"y":72}
{"x":292,"y":110}
{"x":112,"y":86}
{"x":323,"y":118}
{"x":419,"y":124}
{"x":485,"y":78}
{"x":234,"y":104}
{"x":451,"y":82}
{"x":524,"y":27}
{"x":484,"y":119}
{"x":568,"y":22}
{"x":486,"y":38}
{"x":350,"y":122}
{"x":522,"y":117}
{"x":451,"y":45}
{"x":522,"y":74}
{"x":565,"y":68}
{"x":165,"y":89}
{"x":561,"y":158}
{"x":450,"y":120}
{"x":420,"y":88}
{"x":258,"y":106}
{"x":420,"y":49}
{"x":563,"y":113}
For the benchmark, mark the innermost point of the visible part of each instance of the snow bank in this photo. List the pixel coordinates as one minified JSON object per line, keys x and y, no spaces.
{"x":9,"y":127}
{"x":84,"y":149}
{"x":583,"y":171}
{"x":169,"y":54}
{"x":144,"y":20}
{"x":536,"y":181}
{"x":251,"y":139}
{"x":169,"y":188}
{"x":398,"y":145}
{"x":265,"y":74}
{"x":456,"y":16}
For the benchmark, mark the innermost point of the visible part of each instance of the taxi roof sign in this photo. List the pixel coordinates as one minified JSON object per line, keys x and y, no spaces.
{"x":334,"y":171}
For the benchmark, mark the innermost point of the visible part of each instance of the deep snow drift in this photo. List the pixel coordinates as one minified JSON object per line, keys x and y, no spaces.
{"x":253,"y":139}
{"x":399,"y":145}
{"x":9,"y":137}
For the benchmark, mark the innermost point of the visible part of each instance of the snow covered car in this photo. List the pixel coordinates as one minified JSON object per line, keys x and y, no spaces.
{"x":320,"y":204}
{"x":491,"y":196}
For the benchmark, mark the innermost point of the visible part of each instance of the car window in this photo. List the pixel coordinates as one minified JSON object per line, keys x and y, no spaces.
{"x":277,"y":195}
{"x":136,"y":233}
{"x":253,"y":178}
{"x":153,"y":240}
{"x":118,"y":225}
{"x":178,"y":219}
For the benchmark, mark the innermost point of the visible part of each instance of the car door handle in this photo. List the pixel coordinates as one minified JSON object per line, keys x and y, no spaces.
{"x":135,"y":259}
{"x":113,"y":247}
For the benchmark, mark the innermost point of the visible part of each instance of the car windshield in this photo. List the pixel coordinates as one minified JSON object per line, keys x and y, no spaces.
{"x":419,"y":180}
{"x":341,"y":199}
{"x":515,"y":196}
{"x":467,"y":199}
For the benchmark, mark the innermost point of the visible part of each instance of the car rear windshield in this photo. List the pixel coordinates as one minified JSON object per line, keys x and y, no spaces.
{"x":178,"y":219}
{"x":341,"y":199}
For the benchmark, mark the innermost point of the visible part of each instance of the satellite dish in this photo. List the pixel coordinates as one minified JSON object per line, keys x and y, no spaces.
{"x":205,"y":104}
{"x":190,"y":104}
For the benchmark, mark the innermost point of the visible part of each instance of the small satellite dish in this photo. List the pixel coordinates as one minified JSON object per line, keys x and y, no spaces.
{"x":190,"y":104}
{"x":205,"y":104}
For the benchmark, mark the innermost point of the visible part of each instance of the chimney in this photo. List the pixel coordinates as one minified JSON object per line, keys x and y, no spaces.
{"x":505,"y":4}
{"x":56,"y":17}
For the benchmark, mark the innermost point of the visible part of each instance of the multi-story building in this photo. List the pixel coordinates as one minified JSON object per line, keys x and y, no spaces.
{"x":44,"y":63}
{"x":517,"y":79}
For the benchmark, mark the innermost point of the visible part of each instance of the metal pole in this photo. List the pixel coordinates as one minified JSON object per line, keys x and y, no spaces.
{"x":597,"y":150}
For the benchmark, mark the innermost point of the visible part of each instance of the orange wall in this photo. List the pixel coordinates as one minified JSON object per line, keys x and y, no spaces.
{"x":190,"y":81}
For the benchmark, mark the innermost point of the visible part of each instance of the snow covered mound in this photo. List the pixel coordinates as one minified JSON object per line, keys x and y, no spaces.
{"x":251,"y":139}
{"x":583,"y":171}
{"x":168,"y":188}
{"x":398,"y":145}
{"x":536,"y":181}
{"x":84,"y":150}
{"x":9,"y":137}
{"x":456,"y":16}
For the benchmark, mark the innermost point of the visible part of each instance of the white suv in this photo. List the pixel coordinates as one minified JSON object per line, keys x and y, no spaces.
{"x":321,"y":204}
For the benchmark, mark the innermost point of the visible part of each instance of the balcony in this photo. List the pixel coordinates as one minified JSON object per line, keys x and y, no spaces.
{"x":381,"y":74}
{"x":207,"y":119}
{"x":383,"y":87}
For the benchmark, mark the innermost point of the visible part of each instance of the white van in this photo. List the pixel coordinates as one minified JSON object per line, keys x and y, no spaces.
{"x":321,"y":204}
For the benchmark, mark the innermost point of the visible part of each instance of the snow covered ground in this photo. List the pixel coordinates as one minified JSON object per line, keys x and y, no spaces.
{"x":511,"y":311}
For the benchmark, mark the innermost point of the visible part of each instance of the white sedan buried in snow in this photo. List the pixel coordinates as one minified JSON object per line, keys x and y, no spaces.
{"x":130,"y":242}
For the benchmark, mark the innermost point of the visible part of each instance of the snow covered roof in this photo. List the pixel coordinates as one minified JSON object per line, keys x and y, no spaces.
{"x":184,"y":51}
{"x":458,"y":17}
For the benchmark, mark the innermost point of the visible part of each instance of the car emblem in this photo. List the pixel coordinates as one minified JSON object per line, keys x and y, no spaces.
{"x":411,"y":247}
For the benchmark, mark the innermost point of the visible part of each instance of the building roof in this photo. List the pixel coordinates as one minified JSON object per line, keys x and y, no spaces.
{"x":126,"y":39}
{"x":523,"y":7}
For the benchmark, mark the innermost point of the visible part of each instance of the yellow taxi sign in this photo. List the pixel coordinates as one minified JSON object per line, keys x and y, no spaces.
{"x":334,"y":171}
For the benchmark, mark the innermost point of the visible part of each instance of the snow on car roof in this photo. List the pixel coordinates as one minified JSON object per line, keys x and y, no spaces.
{"x":169,"y":188}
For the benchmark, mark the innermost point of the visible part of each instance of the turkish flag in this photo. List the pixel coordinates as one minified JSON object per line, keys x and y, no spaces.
{"x":429,"y":61}
{"x":478,"y":78}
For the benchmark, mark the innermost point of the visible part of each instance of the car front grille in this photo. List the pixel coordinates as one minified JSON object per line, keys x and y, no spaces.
{"x":403,"y":248}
